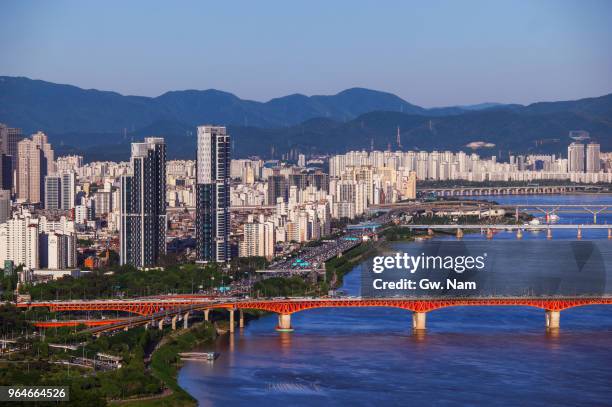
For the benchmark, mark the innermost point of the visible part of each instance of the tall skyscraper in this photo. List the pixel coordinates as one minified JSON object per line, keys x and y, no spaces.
{"x":212,"y":195}
{"x":68,"y":190}
{"x":143,"y":205}
{"x":277,"y":188}
{"x":34,"y":162}
{"x":41,"y":140}
{"x":9,"y":137}
{"x":14,"y":137}
{"x":575,"y":157}
{"x":53,"y":192}
{"x":593,"y":161}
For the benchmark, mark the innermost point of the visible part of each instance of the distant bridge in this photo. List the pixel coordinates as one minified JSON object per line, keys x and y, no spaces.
{"x":491,"y":228}
{"x":509,"y":190}
{"x":486,"y":209}
{"x":544,"y":226}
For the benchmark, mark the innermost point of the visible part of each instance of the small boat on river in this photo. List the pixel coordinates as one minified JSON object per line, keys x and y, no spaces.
{"x":199,"y":356}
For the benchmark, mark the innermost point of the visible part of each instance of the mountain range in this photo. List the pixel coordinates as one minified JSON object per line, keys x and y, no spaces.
{"x":100,"y":124}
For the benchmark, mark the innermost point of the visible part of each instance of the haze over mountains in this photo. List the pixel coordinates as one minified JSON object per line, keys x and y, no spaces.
{"x":101,"y":124}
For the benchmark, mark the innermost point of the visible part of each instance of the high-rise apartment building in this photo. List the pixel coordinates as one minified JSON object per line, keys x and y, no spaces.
{"x":53,"y":191}
{"x":409,"y":185}
{"x":212,"y":222}
{"x":38,"y":242}
{"x":61,"y":251}
{"x":19,"y":242}
{"x":103,"y":201}
{"x":6,"y":172}
{"x":278,"y":187}
{"x":258,"y":240}
{"x":143,"y":205}
{"x":593,"y":160}
{"x":9,"y":137}
{"x":34,"y":162}
{"x":68,"y":193}
{"x":5,"y":205}
{"x":575,"y":157}
{"x":68,"y":163}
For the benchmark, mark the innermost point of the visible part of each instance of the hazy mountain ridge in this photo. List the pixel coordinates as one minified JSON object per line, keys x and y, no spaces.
{"x":57,"y":108}
{"x":79,"y":120}
{"x":508,"y":130}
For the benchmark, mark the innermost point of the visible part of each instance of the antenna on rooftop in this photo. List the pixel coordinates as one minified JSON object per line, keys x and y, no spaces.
{"x":399,"y":139}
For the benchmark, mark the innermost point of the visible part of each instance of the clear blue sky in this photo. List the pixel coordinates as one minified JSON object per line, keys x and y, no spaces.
{"x":431,"y":53}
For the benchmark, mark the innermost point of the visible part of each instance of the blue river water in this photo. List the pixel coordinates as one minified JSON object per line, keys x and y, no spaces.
{"x":468,"y":356}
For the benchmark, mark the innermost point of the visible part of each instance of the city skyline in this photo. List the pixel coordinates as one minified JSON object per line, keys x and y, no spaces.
{"x":433,"y":54}
{"x":226,"y":203}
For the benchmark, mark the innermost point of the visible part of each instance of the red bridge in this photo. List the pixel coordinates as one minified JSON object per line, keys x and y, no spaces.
{"x":285,"y":307}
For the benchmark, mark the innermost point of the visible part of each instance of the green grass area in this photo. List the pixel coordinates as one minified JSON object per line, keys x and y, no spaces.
{"x":165,"y":362}
{"x":173,"y":400}
{"x":282,"y":287}
{"x":131,"y":282}
{"x":38,"y":363}
{"x":398,"y":233}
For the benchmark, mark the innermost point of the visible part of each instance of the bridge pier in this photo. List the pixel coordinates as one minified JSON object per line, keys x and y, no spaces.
{"x":174,"y":318}
{"x":241,"y":318}
{"x":231,"y":321}
{"x":186,"y":321}
{"x":552,"y":319}
{"x":418,"y":321}
{"x":516,"y":214}
{"x":160,"y":325}
{"x":206,"y":315}
{"x":459,"y":233}
{"x":284,"y":323}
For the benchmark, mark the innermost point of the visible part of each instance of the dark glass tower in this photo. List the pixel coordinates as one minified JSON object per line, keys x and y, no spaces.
{"x":143,"y":205}
{"x":212,"y":195}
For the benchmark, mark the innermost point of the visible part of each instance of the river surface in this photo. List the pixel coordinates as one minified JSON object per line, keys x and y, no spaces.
{"x":469,"y":356}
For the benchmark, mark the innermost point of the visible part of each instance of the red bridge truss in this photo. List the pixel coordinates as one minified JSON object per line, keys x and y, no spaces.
{"x":289,"y":306}
{"x":88,"y":323}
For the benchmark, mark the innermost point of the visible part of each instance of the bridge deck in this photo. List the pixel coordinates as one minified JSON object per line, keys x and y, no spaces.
{"x":288,"y":306}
